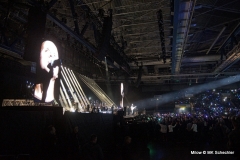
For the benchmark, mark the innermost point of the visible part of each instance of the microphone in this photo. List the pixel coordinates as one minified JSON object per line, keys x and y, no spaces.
{"x":56,"y":63}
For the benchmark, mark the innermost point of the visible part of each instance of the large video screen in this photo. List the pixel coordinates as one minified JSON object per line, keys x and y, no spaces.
{"x":47,"y":73}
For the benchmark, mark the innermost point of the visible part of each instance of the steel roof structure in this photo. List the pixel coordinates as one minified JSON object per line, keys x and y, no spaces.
{"x":145,"y":42}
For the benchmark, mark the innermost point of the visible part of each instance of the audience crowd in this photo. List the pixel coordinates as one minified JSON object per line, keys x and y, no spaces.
{"x":213,"y":120}
{"x":133,"y":134}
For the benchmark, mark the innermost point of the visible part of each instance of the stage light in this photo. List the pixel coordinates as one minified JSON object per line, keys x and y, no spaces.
{"x":72,"y":110}
{"x":72,"y":85}
{"x":97,"y":90}
{"x":66,"y":94}
{"x":79,"y":99}
{"x":63,"y":97}
{"x":84,"y":97}
{"x":69,"y":85}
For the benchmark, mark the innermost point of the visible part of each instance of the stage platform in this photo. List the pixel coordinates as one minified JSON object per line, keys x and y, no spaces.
{"x":130,"y":116}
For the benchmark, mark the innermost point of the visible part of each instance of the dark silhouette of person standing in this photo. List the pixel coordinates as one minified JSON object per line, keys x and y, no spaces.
{"x":92,"y":150}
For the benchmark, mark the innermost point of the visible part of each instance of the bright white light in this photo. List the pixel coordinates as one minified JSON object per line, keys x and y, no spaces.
{"x":122,"y":88}
{"x":72,"y":110}
{"x":213,"y":90}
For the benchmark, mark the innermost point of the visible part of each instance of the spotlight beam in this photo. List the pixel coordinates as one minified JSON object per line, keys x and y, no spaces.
{"x":90,"y":84}
{"x":88,"y":79}
{"x":100,"y":90}
{"x":96,"y":90}
{"x":79,"y":94}
{"x":169,"y":97}
{"x":68,"y":85}
{"x":79,"y":88}
{"x":67,"y":97}
{"x":200,"y":88}
{"x":75,"y":89}
{"x":64,"y":99}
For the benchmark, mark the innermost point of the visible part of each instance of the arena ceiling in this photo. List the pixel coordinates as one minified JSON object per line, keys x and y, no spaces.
{"x":145,"y":42}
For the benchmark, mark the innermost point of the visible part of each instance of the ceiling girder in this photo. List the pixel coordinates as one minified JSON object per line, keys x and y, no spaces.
{"x":233,"y":55}
{"x":176,"y":5}
{"x":183,"y":13}
{"x":74,"y":15}
{"x":72,"y":33}
{"x":234,"y":32}
{"x":214,"y":42}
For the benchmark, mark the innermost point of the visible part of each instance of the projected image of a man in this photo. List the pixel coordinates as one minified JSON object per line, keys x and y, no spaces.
{"x":47,"y":72}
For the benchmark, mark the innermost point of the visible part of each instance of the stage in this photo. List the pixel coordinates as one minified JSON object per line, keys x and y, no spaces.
{"x":130,"y":116}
